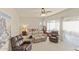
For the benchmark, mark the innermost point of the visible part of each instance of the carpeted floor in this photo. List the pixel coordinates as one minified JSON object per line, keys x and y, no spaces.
{"x":49,"y":46}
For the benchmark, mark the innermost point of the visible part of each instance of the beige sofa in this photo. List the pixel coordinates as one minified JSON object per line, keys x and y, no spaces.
{"x":39,"y":36}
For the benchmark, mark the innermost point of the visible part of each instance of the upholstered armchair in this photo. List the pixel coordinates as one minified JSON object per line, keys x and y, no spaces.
{"x":53,"y":36}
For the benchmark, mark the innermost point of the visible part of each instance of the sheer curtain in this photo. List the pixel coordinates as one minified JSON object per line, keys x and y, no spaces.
{"x":71,"y":32}
{"x":72,"y":26}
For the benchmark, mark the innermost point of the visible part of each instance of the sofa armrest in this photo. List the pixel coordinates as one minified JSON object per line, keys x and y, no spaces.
{"x":29,"y":47}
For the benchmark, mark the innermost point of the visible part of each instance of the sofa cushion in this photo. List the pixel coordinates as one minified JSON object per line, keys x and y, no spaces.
{"x":15,"y":38}
{"x":18,"y":43}
{"x":19,"y":37}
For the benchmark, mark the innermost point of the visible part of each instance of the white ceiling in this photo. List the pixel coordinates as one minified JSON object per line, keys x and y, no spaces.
{"x":35,"y":12}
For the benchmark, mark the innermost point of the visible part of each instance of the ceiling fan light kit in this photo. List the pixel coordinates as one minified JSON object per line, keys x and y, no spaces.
{"x":44,"y":12}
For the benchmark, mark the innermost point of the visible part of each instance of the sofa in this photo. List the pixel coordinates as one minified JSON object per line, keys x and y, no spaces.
{"x":18,"y":44}
{"x":39,"y":36}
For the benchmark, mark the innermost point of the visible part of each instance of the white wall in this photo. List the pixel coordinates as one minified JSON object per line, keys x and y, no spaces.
{"x":14,"y":21}
{"x":30,"y":22}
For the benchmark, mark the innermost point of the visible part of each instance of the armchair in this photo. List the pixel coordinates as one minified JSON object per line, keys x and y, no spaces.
{"x":53,"y":36}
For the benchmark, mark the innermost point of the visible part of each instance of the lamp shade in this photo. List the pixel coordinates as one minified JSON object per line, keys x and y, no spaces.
{"x":24,"y":30}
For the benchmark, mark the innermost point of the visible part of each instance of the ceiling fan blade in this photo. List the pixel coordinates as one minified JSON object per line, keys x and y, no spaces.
{"x":48,"y":11}
{"x":44,"y":11}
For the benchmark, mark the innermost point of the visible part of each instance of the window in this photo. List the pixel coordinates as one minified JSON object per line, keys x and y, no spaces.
{"x":52,"y":25}
{"x":71,"y":26}
{"x":71,"y":32}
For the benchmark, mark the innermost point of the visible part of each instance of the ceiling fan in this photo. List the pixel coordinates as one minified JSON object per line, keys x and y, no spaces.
{"x":44,"y":12}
